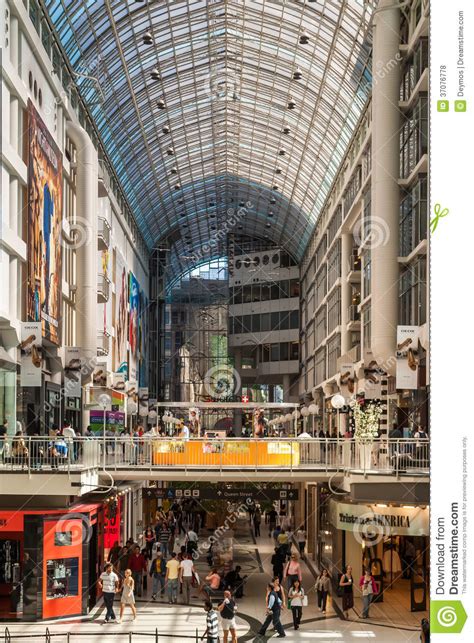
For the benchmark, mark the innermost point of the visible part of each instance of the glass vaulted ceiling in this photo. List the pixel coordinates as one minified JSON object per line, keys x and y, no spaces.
{"x":225,"y":73}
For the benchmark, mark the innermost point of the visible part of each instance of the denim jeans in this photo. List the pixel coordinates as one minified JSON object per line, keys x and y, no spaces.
{"x":173,"y":590}
{"x":164,"y":550}
{"x":109,"y":604}
{"x":158,"y":581}
{"x":366,"y":600}
{"x":137,"y":577}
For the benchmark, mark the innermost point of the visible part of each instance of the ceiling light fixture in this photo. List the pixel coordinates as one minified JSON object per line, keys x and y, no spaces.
{"x":161,"y":103}
{"x":170,"y":151}
{"x":177,"y":186}
{"x":165,"y":129}
{"x":286,"y":129}
{"x":291,"y":103}
{"x":155,"y":74}
{"x":147,"y":38}
{"x":297,"y":74}
{"x":304,"y":37}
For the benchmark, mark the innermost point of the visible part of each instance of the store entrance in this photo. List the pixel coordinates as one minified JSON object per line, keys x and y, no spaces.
{"x":400,"y":566}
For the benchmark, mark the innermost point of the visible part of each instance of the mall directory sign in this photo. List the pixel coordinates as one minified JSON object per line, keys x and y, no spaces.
{"x":221,"y":492}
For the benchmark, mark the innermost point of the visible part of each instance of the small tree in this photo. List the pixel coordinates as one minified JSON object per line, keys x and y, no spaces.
{"x":366,"y":422}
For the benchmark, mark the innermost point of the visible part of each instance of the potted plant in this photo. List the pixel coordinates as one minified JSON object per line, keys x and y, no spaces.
{"x":366,"y":429}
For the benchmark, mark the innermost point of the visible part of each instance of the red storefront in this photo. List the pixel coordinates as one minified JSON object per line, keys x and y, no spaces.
{"x":49,"y":561}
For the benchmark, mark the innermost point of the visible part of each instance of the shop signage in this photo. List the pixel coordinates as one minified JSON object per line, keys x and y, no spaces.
{"x":143,"y":401}
{"x":391,"y":521}
{"x":30,"y":354}
{"x":219,"y":493}
{"x":407,"y":357}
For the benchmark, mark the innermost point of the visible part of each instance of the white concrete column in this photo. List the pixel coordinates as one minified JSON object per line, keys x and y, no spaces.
{"x":14,"y":132}
{"x":385,"y":173}
{"x":86,"y":245}
{"x":14,"y":44}
{"x":346,"y":249}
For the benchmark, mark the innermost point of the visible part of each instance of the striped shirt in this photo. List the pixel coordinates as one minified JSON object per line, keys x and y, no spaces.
{"x":212,"y":623}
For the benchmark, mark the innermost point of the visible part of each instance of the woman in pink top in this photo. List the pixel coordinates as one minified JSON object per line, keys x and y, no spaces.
{"x":213,"y":582}
{"x":293,"y":570}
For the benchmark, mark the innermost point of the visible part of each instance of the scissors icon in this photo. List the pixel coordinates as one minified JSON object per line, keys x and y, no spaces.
{"x":439,"y":214}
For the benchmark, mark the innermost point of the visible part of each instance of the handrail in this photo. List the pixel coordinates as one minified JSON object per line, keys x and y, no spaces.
{"x":150,"y":452}
{"x":48,"y":635}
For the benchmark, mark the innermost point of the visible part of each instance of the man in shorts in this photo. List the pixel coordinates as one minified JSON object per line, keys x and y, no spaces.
{"x":227,"y":610}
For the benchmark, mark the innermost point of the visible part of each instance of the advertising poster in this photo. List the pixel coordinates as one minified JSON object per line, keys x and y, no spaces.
{"x":114,"y":421}
{"x":347,"y":380}
{"x":407,"y":357}
{"x":99,"y":376}
{"x":118,"y":381}
{"x":44,"y":228}
{"x":142,"y":340}
{"x":30,"y":354}
{"x":112,"y":520}
{"x":104,"y":317}
{"x":121,"y":319}
{"x":133,"y":317}
{"x":72,"y":371}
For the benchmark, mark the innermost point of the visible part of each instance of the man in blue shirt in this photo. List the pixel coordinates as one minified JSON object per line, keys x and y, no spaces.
{"x":273,"y":613}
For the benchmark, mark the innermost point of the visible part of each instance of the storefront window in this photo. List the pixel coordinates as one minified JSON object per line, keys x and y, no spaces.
{"x":62,"y":578}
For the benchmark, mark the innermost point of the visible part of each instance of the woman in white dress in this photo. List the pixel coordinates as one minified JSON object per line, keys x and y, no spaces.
{"x":128,"y":597}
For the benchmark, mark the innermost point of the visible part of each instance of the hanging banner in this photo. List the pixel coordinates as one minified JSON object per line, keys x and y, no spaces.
{"x":407,"y":357}
{"x":373,"y":378}
{"x":142,"y":339}
{"x":131,"y":392}
{"x":133,"y":315}
{"x":121,"y":320}
{"x":112,"y":535}
{"x":72,"y":371}
{"x":44,"y":228}
{"x":347,"y":380}
{"x":104,"y":316}
{"x":143,"y":401}
{"x":118,"y":381}
{"x":30,"y":354}
{"x":99,"y":376}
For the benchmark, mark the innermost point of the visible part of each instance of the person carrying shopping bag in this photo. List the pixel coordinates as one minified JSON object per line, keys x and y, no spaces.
{"x":295,"y":602}
{"x":369,"y":589}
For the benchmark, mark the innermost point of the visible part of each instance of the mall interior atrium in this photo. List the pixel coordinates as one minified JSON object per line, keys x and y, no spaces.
{"x":214,"y":341}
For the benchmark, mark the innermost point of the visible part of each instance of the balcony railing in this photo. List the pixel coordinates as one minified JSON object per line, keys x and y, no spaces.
{"x":408,"y":456}
{"x":103,"y":233}
{"x":102,"y":343}
{"x":353,"y":314}
{"x":103,"y":289}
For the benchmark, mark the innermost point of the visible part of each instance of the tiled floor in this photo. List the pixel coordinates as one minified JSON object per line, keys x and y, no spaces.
{"x":181,"y":623}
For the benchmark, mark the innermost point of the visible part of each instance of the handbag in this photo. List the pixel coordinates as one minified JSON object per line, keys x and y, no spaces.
{"x":305,"y":601}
